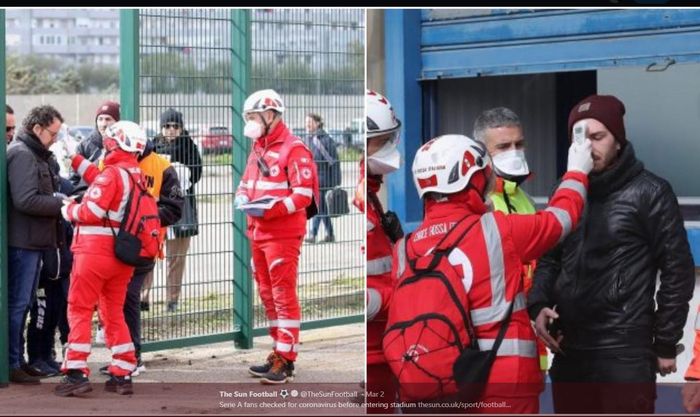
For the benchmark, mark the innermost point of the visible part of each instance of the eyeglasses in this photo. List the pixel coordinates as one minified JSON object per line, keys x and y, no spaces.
{"x":171,"y":126}
{"x":9,"y":128}
{"x":53,"y":134}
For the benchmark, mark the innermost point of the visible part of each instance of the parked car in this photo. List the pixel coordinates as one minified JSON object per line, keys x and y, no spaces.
{"x":211,"y":139}
{"x":80,"y":132}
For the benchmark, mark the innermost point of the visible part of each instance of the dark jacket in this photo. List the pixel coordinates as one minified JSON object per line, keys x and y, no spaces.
{"x":602,"y":277}
{"x":184,"y":151}
{"x":91,"y":148}
{"x":328,"y":168}
{"x":33,"y":211}
{"x":57,"y":263}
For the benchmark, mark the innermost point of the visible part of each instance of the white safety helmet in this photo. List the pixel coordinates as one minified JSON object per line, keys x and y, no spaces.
{"x":447,"y":164}
{"x":128,"y":135}
{"x":263,"y":100}
{"x":380,"y":115}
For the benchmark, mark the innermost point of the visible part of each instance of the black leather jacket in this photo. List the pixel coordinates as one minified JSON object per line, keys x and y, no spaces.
{"x":602,"y":277}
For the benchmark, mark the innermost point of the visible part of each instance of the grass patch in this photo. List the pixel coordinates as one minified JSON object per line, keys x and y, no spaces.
{"x":349,"y":154}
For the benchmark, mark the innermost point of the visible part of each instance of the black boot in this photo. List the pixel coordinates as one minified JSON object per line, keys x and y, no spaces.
{"x":281,"y":371}
{"x":73,"y":383}
{"x":120,"y":384}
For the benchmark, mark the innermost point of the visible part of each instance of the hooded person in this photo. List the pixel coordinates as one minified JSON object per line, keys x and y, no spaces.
{"x":278,"y":191}
{"x":176,"y":145}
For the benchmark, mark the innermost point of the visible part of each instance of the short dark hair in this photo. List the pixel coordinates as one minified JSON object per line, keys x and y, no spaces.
{"x":494,"y":118}
{"x":42,"y":116}
{"x":316,"y":118}
{"x":9,"y":110}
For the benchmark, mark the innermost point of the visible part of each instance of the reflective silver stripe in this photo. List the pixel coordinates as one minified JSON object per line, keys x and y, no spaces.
{"x":79,"y":347}
{"x":401,"y":252}
{"x":289,"y":324}
{"x":374,"y":303}
{"x":123,"y":364}
{"x":573,"y":185}
{"x":511,"y":347}
{"x":95,"y":209}
{"x":126,"y":347}
{"x":563,"y":218}
{"x":494,"y":251}
{"x":76,"y":364}
{"x":308,"y":192}
{"x":125,"y":195}
{"x":74,"y":212}
{"x":370,"y":226}
{"x":495,"y":313}
{"x":289,"y":203}
{"x":379,"y":266}
{"x":697,"y":321}
{"x":273,"y":154}
{"x":276,"y":262}
{"x":84,"y":165}
{"x":268,"y":185}
{"x":252,"y":265}
{"x":95,"y":230}
{"x":285,"y":347}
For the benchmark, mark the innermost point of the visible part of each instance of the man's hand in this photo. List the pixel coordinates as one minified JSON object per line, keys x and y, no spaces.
{"x":691,"y":396}
{"x":666,"y":366}
{"x":546,"y":316}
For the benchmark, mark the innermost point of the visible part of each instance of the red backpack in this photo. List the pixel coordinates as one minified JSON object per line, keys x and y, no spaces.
{"x":137,"y":242}
{"x":429,"y":326}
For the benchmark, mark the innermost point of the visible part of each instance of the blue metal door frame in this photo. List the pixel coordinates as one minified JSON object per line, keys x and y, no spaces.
{"x":420,"y":50}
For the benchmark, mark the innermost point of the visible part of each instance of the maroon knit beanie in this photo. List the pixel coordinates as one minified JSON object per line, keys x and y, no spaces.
{"x":110,"y":108}
{"x":606,"y":109}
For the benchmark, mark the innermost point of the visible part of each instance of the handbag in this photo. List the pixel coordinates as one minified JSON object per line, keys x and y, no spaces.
{"x":337,"y":202}
{"x":472,"y":368}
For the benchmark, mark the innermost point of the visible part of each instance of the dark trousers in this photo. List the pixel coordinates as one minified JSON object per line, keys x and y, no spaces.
{"x":48,"y":312}
{"x":322,"y":216}
{"x":132,"y":306}
{"x":621,"y":382}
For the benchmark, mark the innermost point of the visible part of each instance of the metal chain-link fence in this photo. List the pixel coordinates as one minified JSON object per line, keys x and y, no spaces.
{"x":189,"y":77}
{"x":315,"y":60}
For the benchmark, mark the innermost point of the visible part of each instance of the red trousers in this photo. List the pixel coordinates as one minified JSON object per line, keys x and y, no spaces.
{"x":99,"y":280}
{"x":275,"y":264}
{"x":381,"y":389}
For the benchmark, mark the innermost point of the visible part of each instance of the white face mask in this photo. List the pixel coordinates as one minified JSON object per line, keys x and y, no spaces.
{"x":385,"y":160}
{"x":511,"y":164}
{"x":252,"y":129}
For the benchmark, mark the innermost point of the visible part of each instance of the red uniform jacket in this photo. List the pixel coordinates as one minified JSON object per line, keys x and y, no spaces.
{"x":297,"y":185}
{"x":490,"y":258}
{"x":379,"y":248}
{"x":101,"y":210}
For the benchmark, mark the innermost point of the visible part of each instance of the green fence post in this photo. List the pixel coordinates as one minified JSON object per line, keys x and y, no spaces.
{"x":129,"y":64}
{"x":4,"y":331}
{"x":242,"y":280}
